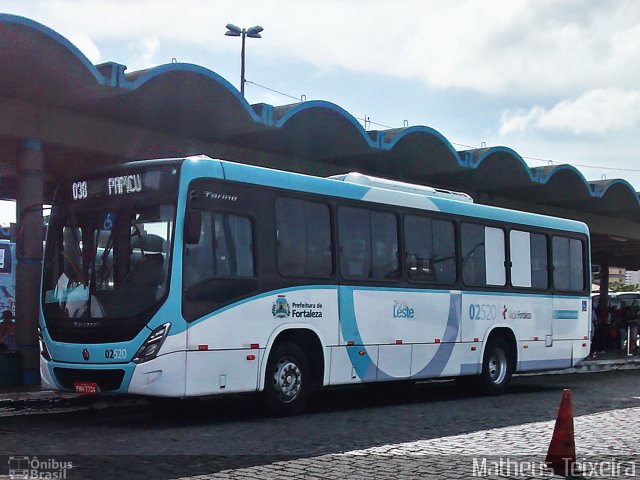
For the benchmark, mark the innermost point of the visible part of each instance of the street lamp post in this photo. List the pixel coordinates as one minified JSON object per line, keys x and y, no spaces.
{"x":253,"y":32}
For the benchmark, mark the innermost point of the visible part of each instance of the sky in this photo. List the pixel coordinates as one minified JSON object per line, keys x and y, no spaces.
{"x":558,"y":81}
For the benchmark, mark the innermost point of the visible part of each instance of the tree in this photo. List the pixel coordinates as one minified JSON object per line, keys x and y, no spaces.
{"x":621,"y":287}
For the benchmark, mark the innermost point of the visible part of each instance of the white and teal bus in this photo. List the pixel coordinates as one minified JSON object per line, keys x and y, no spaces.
{"x":198,"y":277}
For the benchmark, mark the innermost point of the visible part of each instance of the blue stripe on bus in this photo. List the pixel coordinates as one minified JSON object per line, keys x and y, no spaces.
{"x":565,"y":314}
{"x":175,"y":329}
{"x":436,"y":365}
{"x":366,"y":367}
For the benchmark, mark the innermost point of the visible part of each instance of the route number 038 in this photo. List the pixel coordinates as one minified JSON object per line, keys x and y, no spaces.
{"x":79,"y":190}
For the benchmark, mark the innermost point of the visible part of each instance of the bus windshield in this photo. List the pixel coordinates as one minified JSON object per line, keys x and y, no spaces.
{"x":108,"y":252}
{"x":107,"y":262}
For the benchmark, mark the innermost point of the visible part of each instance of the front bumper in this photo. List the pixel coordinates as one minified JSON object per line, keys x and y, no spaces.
{"x":163,"y":376}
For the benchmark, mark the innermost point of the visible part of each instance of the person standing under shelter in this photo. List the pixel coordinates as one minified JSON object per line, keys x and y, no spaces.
{"x":632,"y":318}
{"x":7,"y":332}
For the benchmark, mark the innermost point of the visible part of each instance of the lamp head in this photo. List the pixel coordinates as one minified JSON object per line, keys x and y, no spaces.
{"x":254,"y":32}
{"x":233,"y":31}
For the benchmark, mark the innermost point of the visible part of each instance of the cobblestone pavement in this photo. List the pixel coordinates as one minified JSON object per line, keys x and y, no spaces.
{"x":433,"y":431}
{"x":509,"y":452}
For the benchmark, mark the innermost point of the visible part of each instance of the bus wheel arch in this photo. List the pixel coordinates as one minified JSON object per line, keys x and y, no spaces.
{"x":294,"y":368}
{"x":499,"y":361}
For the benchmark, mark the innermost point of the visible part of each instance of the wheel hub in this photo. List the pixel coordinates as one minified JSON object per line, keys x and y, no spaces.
{"x":498,"y":367}
{"x":287,"y":380}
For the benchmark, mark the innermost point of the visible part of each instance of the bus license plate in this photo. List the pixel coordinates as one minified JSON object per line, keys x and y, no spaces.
{"x":86,"y":388}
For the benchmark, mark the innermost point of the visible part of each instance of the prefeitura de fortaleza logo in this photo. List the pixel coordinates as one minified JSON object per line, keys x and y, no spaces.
{"x":281,"y":308}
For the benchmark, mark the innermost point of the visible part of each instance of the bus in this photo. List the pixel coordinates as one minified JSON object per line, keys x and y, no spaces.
{"x":197,"y":277}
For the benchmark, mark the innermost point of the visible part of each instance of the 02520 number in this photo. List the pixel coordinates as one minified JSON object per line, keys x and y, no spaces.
{"x":485,"y":311}
{"x":116,"y":353}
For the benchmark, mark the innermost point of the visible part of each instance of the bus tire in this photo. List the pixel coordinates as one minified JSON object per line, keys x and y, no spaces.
{"x":287,"y":381}
{"x":497,"y":366}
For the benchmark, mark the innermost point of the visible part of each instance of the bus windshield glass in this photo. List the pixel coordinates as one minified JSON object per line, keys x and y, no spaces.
{"x":108,"y":258}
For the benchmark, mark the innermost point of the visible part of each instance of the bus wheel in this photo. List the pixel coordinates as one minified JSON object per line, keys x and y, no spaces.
{"x":287,"y":382}
{"x":497,"y":366}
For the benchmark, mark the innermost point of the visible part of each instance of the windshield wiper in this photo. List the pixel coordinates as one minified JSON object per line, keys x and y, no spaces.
{"x":120,"y":223}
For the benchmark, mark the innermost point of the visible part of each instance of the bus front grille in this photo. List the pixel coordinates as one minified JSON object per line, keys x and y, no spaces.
{"x":107,"y":380}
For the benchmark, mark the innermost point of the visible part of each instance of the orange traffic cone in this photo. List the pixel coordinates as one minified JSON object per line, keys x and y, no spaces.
{"x":561,"y":456}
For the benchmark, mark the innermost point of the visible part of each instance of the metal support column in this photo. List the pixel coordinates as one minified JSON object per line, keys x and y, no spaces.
{"x":30,"y":186}
{"x":604,"y":283}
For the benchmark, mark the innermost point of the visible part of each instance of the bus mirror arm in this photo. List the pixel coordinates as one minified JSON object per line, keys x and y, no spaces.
{"x":192,"y":228}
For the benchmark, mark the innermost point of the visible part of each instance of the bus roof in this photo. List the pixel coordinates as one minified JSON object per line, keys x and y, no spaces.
{"x":393,"y":193}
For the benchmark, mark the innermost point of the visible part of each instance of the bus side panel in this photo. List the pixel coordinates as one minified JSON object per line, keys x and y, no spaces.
{"x":384,"y":318}
{"x":445,"y":360}
{"x":571,"y":318}
{"x":222,"y":371}
{"x":580,"y":351}
{"x":571,"y":328}
{"x":529,"y":317}
{"x":218,"y":345}
{"x":550,"y":330}
{"x":399,"y":333}
{"x":394,"y":362}
{"x":536,"y":355}
{"x":353,"y":364}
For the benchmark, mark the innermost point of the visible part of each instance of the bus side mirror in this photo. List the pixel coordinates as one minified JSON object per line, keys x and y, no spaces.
{"x":192,"y":227}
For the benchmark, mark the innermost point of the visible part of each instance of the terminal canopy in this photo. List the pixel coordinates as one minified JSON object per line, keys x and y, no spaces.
{"x":85,"y":116}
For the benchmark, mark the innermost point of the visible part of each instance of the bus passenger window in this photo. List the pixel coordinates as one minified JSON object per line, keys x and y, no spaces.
{"x":384,"y":232}
{"x":368,"y":244}
{"x":494,"y":250}
{"x":233,"y":246}
{"x":303,"y":238}
{"x":568,"y":269}
{"x":483,"y":255}
{"x":576,"y":269}
{"x":528,"y":260}
{"x":198,"y":259}
{"x":355,"y":242}
{"x":520,"y":248}
{"x":225,"y":249}
{"x":430,"y":250}
{"x":473,"y":259}
{"x":539,"y":262}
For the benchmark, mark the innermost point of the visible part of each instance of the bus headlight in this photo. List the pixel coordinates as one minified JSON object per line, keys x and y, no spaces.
{"x":152,"y":344}
{"x":43,"y":347}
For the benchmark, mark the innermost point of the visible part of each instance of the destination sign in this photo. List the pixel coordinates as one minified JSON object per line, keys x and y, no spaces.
{"x":123,"y":185}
